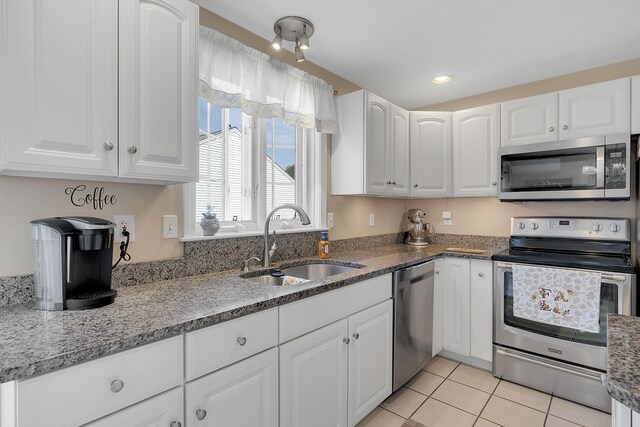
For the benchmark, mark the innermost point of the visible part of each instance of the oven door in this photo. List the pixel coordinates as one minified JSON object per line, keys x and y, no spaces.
{"x":571,"y":345}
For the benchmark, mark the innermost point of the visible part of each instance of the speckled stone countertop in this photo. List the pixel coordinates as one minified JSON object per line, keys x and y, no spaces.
{"x":35,"y":342}
{"x":623,"y":380}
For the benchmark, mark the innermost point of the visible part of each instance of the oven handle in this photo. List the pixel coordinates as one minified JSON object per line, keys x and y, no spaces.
{"x":601,"y":378}
{"x":605,"y":276}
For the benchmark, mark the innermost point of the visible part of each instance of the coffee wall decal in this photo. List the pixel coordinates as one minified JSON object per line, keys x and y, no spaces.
{"x":97,"y":198}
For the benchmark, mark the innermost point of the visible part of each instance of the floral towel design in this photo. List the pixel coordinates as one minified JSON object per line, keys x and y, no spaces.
{"x":566,"y":298}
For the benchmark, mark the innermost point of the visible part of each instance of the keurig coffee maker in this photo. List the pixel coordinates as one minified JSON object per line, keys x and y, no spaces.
{"x":72,"y":262}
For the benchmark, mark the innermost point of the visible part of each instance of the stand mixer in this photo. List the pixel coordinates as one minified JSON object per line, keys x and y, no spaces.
{"x":419,"y":232}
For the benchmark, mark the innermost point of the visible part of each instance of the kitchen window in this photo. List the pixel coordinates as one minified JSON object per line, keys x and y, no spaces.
{"x":248,"y":166}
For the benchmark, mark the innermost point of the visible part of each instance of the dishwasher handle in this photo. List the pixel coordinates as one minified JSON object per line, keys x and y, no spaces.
{"x":417,"y":273}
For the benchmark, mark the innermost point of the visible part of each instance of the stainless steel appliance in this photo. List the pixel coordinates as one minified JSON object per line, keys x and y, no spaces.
{"x":72,"y":259}
{"x":566,"y":362}
{"x":419,"y":232}
{"x":584,"y":168}
{"x":413,"y":321}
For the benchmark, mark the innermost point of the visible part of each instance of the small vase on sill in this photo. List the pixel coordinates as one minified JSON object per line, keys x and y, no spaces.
{"x":209,"y":222}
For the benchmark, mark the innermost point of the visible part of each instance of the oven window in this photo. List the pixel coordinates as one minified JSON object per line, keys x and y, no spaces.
{"x":608,"y":304}
{"x":571,"y":169}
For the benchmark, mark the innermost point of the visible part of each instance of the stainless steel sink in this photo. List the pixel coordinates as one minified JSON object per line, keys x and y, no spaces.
{"x":310,"y":271}
{"x":316,"y":271}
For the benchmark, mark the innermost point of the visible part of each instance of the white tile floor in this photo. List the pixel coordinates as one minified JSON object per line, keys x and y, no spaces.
{"x":450,"y":394}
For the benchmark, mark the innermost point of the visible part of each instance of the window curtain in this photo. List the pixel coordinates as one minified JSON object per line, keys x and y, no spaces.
{"x":233,"y":75}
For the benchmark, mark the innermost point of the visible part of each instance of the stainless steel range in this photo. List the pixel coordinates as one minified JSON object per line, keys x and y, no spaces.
{"x":569,"y":363}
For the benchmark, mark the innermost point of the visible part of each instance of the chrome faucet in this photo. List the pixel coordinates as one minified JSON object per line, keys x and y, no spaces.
{"x":266,"y":261}
{"x":246,"y":268}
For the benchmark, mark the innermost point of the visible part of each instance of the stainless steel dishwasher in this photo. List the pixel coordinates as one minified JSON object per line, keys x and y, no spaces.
{"x":413,"y":321}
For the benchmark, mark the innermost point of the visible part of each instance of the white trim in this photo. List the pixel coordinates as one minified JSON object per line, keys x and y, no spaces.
{"x":219,"y":236}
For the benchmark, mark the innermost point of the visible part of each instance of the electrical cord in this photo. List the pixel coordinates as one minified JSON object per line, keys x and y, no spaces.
{"x":124,"y":245}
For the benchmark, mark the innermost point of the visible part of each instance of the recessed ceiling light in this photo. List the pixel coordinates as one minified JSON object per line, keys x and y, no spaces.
{"x":442,"y":79}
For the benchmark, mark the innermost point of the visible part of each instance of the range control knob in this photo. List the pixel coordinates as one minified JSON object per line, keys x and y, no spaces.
{"x":521,"y":225}
{"x":614,"y":227}
{"x":534,"y":226}
{"x":597,"y":227}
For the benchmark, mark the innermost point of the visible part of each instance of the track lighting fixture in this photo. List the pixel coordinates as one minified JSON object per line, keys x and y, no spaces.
{"x":294,"y":29}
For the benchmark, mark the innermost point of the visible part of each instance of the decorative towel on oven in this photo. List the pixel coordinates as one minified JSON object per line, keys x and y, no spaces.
{"x":566,"y":298}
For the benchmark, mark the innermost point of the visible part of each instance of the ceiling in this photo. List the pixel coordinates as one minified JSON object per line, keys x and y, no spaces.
{"x":394,"y":48}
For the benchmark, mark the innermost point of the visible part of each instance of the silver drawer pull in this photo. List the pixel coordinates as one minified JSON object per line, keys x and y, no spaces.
{"x":356,"y":335}
{"x":551,"y":129}
{"x":346,"y":340}
{"x":200,"y":414}
{"x":175,"y":424}
{"x":242,"y":340}
{"x":565,"y":127}
{"x":117,"y":385}
{"x":480,"y":274}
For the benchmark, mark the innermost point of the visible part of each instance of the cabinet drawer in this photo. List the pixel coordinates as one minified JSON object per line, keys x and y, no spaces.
{"x":83,"y":393}
{"x":310,"y":314}
{"x":212,"y":348}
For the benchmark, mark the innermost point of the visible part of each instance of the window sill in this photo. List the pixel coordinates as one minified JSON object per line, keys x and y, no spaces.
{"x":250,"y":233}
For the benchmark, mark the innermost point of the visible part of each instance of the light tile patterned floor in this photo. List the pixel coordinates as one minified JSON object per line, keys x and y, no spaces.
{"x":451,"y":394}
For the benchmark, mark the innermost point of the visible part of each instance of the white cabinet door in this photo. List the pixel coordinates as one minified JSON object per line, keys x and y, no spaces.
{"x":529,"y":120}
{"x":370,"y":359}
{"x":599,"y":109}
{"x":635,"y":105}
{"x":243,"y":394}
{"x":398,"y":152}
{"x":158,"y":95}
{"x":377,"y":135}
{"x":165,"y":410}
{"x":439,"y":275}
{"x":313,"y":378}
{"x":476,"y":134}
{"x":430,"y":136}
{"x":481,"y":335}
{"x":59,"y":85}
{"x":456,"y":306}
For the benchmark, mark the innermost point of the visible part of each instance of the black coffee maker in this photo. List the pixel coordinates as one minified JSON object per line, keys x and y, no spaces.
{"x":72,"y":262}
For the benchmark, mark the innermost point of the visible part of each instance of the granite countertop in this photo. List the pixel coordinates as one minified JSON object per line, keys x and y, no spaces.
{"x":36,"y":342}
{"x":623,"y":381}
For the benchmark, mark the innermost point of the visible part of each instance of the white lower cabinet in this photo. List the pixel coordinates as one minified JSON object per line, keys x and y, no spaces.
{"x":623,"y":416}
{"x":336,"y":375}
{"x":243,"y":394}
{"x":160,"y":411}
{"x":463,"y":307}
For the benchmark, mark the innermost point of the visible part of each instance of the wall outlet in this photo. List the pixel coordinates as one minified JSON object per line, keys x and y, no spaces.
{"x":447,"y":218}
{"x":121,"y":222}
{"x":372,"y":219}
{"x":330,"y":220}
{"x":170,"y":226}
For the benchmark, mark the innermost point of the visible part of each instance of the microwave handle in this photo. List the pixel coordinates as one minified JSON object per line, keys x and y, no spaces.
{"x":600,"y":166}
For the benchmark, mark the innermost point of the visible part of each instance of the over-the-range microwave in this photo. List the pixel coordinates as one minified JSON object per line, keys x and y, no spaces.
{"x":590,"y":168}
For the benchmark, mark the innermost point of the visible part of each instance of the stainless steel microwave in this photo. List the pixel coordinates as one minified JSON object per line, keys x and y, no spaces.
{"x":585,"y":168}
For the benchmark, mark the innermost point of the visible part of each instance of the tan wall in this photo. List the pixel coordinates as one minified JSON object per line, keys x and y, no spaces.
{"x":25,"y":199}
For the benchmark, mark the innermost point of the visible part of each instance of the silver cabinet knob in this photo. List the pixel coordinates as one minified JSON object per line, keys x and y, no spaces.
{"x":132,"y":149}
{"x":565,"y":127}
{"x":108,"y":145}
{"x":117,"y":385}
{"x":242,"y":340}
{"x":388,"y":182}
{"x":415,"y":185}
{"x":356,"y":335}
{"x":480,"y":274}
{"x":200,"y":414}
{"x":437,"y":272}
{"x":346,"y":340}
{"x":175,"y":424}
{"x":494,"y":183}
{"x":393,"y":183}
{"x":551,"y":129}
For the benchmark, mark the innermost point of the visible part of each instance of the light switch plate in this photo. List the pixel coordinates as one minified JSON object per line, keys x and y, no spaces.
{"x":330,"y":220}
{"x":446,"y":215}
{"x":170,"y":226}
{"x":372,"y":219}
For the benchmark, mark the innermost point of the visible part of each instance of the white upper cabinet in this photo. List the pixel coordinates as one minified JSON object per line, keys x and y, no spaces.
{"x":158,"y":94}
{"x":635,"y":104}
{"x":476,"y":134}
{"x":59,"y":85}
{"x":430,"y":136}
{"x":528,"y":120}
{"x":99,"y":88}
{"x":599,"y":109}
{"x":370,"y":154}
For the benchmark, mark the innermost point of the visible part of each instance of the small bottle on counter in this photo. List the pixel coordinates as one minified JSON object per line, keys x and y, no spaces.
{"x":324,"y":250}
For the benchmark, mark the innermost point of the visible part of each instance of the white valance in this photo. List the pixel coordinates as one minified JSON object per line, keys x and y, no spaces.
{"x":233,"y":75}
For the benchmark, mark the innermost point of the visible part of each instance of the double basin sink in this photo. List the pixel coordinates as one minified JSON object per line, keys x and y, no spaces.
{"x":308,"y":271}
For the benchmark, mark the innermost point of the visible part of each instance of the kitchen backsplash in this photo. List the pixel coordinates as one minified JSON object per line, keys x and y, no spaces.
{"x":210,"y":256}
